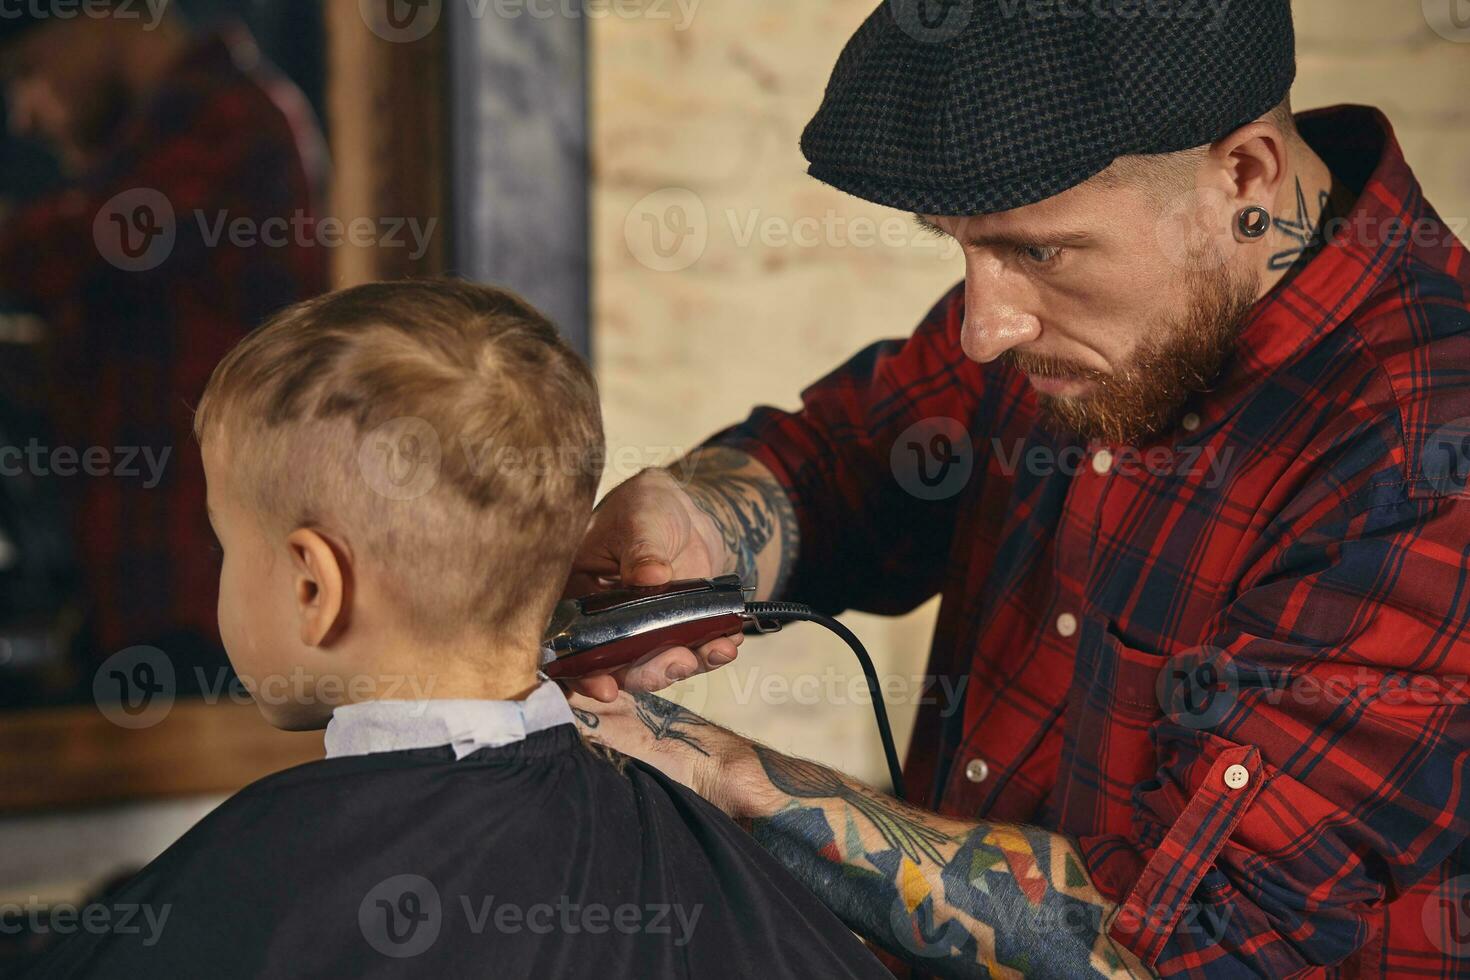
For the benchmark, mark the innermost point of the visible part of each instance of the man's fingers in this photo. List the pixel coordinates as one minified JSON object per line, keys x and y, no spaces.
{"x":603,"y":687}
{"x":717,"y":653}
{"x":580,"y":584}
{"x":644,"y":563}
{"x":659,"y":671}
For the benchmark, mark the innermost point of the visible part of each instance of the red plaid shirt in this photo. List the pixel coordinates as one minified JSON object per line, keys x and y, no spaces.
{"x":130,"y":351}
{"x":1232,"y":663}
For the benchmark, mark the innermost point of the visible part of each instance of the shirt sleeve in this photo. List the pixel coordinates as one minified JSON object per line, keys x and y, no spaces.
{"x":875,"y":462}
{"x":1312,"y":757}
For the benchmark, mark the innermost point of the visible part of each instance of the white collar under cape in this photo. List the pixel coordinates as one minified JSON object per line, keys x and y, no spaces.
{"x":464,"y":725}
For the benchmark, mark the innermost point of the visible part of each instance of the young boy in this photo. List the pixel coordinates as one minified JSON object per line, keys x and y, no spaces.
{"x":398,"y":475}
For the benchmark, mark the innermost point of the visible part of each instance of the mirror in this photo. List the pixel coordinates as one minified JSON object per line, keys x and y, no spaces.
{"x":166,"y":185}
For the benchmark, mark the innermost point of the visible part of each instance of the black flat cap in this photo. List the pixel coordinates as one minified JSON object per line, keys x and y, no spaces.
{"x":957,"y":107}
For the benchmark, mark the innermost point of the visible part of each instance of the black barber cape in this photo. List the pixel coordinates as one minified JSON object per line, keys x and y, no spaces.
{"x":535,"y":859}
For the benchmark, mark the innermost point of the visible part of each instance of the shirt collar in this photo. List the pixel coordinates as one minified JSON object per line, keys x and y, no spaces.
{"x":1358,"y":144}
{"x":464,"y":725}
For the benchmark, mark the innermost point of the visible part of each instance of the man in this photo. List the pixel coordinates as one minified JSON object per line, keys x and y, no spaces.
{"x":164,"y":136}
{"x":1205,"y":584}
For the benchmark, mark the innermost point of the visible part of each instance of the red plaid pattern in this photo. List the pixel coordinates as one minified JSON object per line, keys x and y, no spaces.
{"x":131,"y":351}
{"x":1232,"y":663}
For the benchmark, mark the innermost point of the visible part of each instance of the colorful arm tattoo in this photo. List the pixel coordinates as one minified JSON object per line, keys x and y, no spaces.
{"x":953,"y":899}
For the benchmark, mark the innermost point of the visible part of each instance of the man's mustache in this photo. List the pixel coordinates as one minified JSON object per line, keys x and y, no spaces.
{"x":1041,"y":366}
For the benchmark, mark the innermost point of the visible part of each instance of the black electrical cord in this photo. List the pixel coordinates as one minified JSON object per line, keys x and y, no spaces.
{"x":782,"y":612}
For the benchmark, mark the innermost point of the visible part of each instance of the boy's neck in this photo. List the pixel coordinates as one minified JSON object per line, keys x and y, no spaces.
{"x":432,"y":674}
{"x":499,"y":687}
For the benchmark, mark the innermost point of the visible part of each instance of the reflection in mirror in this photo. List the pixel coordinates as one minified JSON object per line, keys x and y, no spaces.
{"x":161,"y":173}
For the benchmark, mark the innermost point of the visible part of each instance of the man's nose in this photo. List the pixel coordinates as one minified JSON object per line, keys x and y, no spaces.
{"x":996,"y":318}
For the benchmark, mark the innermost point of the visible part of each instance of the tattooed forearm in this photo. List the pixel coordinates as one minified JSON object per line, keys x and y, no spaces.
{"x":749,"y":507}
{"x":955,"y":899}
{"x":809,"y":781}
{"x":667,"y":720}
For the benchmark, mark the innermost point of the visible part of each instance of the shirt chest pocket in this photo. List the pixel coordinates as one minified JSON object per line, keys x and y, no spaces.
{"x":1113,"y":703}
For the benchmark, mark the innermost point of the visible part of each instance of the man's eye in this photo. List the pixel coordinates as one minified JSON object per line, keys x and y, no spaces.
{"x":1039,"y":254}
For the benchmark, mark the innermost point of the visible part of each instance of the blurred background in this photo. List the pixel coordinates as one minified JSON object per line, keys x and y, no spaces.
{"x":631,"y":167}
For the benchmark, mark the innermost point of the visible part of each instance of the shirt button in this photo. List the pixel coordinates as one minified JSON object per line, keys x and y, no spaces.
{"x":976,"y":770}
{"x":1066,"y":624}
{"x":1237,"y":776}
{"x":1102,"y":461}
{"x":1190,"y":422}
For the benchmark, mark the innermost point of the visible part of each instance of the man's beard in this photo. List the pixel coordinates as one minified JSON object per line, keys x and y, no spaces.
{"x":1178,"y":358}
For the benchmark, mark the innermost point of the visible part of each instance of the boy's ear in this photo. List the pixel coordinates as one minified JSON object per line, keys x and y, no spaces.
{"x":322,"y":580}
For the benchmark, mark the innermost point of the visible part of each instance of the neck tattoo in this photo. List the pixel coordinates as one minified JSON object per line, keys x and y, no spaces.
{"x":1304,"y":234}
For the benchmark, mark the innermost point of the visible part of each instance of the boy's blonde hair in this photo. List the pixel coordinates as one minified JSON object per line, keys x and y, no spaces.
{"x":442,"y":427}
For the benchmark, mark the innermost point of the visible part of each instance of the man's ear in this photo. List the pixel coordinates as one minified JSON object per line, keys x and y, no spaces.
{"x":322,"y":581}
{"x":1249,"y":165}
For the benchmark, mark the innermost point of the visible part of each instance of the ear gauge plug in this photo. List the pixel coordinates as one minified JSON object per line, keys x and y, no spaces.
{"x":1252,"y":223}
